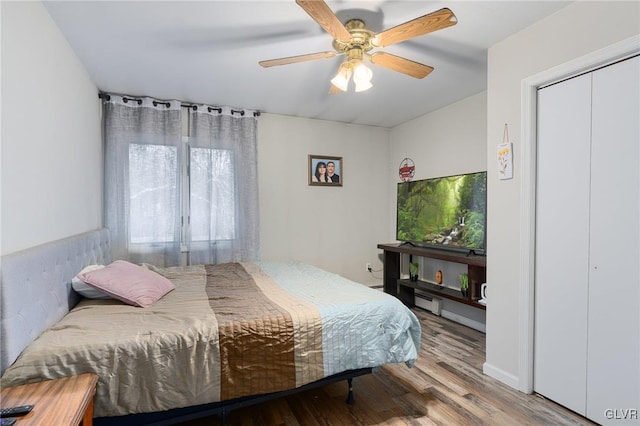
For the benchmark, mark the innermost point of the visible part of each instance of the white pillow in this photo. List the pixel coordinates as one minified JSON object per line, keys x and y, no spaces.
{"x":84,"y":289}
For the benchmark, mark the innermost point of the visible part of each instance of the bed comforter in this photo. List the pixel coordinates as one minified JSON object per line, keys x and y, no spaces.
{"x":226,"y":331}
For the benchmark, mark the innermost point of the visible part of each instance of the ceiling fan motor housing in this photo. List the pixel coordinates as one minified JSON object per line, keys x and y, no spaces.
{"x":360,"y":41}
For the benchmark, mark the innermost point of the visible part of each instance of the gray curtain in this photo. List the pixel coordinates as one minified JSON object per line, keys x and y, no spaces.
{"x":142,"y":179}
{"x":224,"y":221}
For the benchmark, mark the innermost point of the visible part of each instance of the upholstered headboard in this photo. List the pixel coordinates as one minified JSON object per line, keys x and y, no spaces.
{"x":36,"y":291}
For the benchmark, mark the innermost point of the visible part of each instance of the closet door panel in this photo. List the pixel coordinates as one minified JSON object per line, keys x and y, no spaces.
{"x":613,"y":372}
{"x":562,"y":242}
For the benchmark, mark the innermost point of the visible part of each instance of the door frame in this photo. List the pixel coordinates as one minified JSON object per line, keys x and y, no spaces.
{"x":528,"y":90}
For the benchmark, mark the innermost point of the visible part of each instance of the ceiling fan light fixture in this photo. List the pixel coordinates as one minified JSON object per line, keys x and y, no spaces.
{"x":354,"y":40}
{"x":362,"y":75}
{"x":341,"y":80}
{"x":363,"y":85}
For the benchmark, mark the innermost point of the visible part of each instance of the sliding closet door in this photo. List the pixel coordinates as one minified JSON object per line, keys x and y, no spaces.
{"x":587,"y":288}
{"x":562,"y":242}
{"x":613,"y":370}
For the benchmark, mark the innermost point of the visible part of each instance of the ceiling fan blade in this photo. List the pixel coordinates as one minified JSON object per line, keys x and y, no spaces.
{"x":437,"y":20}
{"x":323,"y":15}
{"x":405,"y":66}
{"x":295,"y":59}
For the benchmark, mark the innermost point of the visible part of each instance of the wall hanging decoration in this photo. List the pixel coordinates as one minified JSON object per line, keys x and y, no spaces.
{"x":406,"y":170}
{"x":325,"y":170}
{"x":505,"y":156}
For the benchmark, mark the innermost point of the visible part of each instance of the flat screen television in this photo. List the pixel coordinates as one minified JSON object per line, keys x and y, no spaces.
{"x":446,"y":212}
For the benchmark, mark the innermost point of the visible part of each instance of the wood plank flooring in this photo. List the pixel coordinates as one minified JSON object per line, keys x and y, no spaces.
{"x":446,"y":386}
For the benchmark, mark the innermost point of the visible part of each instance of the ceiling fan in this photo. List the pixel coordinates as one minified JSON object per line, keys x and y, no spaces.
{"x":355,"y":41}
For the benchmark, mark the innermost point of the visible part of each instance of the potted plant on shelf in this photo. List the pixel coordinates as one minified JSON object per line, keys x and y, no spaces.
{"x":413,"y":271}
{"x":464,"y":284}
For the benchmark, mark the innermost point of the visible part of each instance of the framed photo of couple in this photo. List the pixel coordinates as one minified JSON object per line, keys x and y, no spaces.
{"x":325,"y":170}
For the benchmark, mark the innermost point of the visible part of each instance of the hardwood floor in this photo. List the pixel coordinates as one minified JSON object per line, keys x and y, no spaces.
{"x":446,"y":386}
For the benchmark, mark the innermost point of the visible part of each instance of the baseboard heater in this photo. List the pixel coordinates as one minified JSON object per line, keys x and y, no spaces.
{"x":428,"y":302}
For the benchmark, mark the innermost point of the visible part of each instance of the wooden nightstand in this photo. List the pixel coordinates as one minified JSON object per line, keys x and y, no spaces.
{"x":66,"y":401}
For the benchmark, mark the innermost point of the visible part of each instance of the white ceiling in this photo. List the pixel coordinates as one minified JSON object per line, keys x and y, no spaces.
{"x":208,"y":52}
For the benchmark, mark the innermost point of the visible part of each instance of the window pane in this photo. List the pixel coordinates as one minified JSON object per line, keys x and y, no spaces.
{"x":212,"y":195}
{"x":153,"y":188}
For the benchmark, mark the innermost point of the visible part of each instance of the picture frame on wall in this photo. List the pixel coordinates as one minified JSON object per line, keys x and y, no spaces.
{"x":325,"y":170}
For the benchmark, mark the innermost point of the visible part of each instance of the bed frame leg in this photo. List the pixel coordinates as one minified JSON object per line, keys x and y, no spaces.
{"x":224,"y":417}
{"x":350,"y":399}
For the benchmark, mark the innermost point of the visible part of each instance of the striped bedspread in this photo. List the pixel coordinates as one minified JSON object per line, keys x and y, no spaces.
{"x":226,"y":331}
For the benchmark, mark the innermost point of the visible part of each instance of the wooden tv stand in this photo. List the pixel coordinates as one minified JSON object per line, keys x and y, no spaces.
{"x":405,"y":289}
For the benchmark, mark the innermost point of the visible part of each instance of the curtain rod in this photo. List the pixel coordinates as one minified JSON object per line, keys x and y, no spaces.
{"x":126,"y":99}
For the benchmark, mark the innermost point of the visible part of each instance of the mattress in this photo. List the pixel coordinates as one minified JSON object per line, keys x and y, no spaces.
{"x":226,"y":331}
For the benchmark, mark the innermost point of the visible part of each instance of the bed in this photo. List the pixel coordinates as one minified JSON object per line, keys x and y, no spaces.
{"x":225,"y":336}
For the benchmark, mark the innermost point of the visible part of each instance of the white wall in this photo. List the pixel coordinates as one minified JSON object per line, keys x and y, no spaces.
{"x":445,"y":142}
{"x":572,"y":32}
{"x":336,"y":228}
{"x":51,"y":145}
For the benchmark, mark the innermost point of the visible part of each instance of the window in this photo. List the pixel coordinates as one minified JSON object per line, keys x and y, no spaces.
{"x":153,"y":186}
{"x":180,"y":182}
{"x":212,"y":194}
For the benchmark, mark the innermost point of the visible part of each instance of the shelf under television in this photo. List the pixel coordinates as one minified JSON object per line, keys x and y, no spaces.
{"x":405,"y":289}
{"x":436,"y":290}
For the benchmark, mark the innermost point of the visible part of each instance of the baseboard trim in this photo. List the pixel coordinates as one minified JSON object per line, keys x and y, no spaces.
{"x":501,"y":375}
{"x":464,"y":321}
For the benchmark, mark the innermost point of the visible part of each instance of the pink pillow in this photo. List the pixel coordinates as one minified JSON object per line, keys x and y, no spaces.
{"x":129,"y":283}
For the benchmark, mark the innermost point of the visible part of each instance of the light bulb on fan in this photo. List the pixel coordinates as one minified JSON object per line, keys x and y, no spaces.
{"x":362,"y":75}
